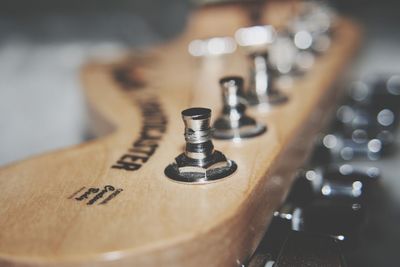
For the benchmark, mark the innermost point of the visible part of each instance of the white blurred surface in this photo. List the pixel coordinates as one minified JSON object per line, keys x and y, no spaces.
{"x":41,"y":101}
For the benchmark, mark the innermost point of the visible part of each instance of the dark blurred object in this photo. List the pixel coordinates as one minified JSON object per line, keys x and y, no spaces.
{"x":310,"y":250}
{"x":366,"y":125}
{"x":338,"y":182}
{"x":377,"y":93}
{"x":341,"y":220}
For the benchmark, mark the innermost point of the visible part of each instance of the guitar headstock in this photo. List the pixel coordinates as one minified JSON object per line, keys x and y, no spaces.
{"x":130,"y":198}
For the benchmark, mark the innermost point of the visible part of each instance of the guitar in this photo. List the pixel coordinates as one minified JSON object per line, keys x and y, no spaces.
{"x":110,"y":201}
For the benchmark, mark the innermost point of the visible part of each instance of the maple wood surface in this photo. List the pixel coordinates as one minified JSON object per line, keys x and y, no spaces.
{"x":155,"y":221}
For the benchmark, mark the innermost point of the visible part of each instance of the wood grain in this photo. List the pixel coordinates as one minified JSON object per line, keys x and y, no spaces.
{"x":154,"y":221}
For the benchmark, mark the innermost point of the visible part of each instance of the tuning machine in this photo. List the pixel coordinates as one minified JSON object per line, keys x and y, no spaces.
{"x":200,"y":163}
{"x":312,"y":28}
{"x":284,"y":55}
{"x":339,"y":215}
{"x":338,"y":182}
{"x":256,"y":41}
{"x":361,"y":125}
{"x":335,"y":147}
{"x":212,"y":47}
{"x":310,"y":34}
{"x":377,"y":93}
{"x":340,"y":220}
{"x":233,"y":122}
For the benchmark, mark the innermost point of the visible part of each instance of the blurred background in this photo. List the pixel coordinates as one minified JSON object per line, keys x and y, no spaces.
{"x":43,"y":43}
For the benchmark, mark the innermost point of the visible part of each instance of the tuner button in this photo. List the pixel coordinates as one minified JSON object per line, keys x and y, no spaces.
{"x":345,"y":149}
{"x":256,"y":42}
{"x":262,"y":82}
{"x":215,"y":46}
{"x":233,"y":123}
{"x":312,"y":29}
{"x":255,"y":38}
{"x":338,"y":219}
{"x":200,"y":163}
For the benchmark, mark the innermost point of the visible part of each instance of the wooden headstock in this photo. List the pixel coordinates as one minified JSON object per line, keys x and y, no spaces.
{"x":108,"y":203}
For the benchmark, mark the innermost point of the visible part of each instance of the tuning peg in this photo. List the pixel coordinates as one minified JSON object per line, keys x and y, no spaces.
{"x":255,"y":38}
{"x":347,"y":182}
{"x":343,"y":182}
{"x":212,"y":47}
{"x":336,"y":182}
{"x":257,"y":41}
{"x":311,"y":29}
{"x":334,"y":220}
{"x":200,"y":163}
{"x":338,"y":219}
{"x":377,"y":94}
{"x":371,"y":120}
{"x":362,"y":139}
{"x":233,"y":122}
{"x":336,"y":148}
{"x":303,"y":211}
{"x":284,"y":55}
{"x":262,"y":85}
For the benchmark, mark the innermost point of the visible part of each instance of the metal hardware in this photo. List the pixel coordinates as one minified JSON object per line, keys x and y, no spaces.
{"x":337,"y":219}
{"x":255,"y":38}
{"x":200,"y":163}
{"x":256,"y":41}
{"x":216,"y":46}
{"x":234,"y":123}
{"x":311,"y":30}
{"x":262,"y":87}
{"x":284,"y":54}
{"x":335,"y":182}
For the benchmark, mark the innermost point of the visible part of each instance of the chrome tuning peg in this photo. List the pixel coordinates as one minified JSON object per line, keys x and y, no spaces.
{"x":337,"y":219}
{"x":284,"y":54}
{"x":200,"y":163}
{"x":361,"y":124}
{"x":336,"y":148}
{"x":310,"y":33}
{"x":262,"y":82}
{"x":233,"y":122}
{"x":312,"y":28}
{"x":345,"y":182}
{"x":257,"y":41}
{"x":382,"y":92}
{"x":212,"y":47}
{"x":255,"y":38}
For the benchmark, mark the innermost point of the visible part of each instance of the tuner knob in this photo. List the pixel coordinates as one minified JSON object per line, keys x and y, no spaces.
{"x":312,"y":29}
{"x":345,"y":149}
{"x":262,"y":82}
{"x":212,"y":47}
{"x":233,"y":122}
{"x":338,"y":219}
{"x":257,"y":41}
{"x":200,"y":163}
{"x":343,"y":182}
